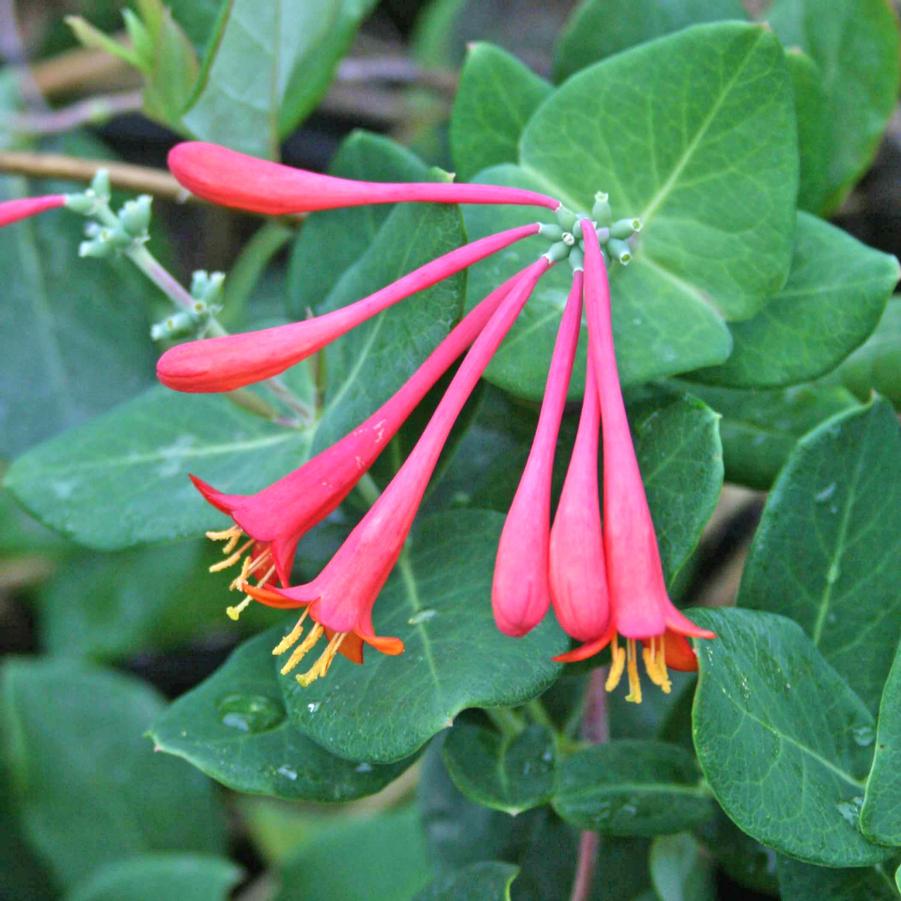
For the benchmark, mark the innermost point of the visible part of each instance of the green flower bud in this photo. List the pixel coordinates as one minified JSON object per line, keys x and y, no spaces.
{"x":576,"y":259}
{"x":83,"y":203}
{"x":625,"y":228}
{"x":601,"y":212}
{"x":135,"y":216}
{"x":100,"y":184}
{"x":550,"y":231}
{"x":557,"y":252}
{"x":619,"y":250}
{"x":566,"y":217}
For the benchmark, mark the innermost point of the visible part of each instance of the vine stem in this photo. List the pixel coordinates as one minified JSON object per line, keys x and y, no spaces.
{"x":596,"y":729}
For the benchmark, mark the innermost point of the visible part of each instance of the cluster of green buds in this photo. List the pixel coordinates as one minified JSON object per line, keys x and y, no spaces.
{"x":206,"y":289}
{"x":108,"y":232}
{"x":567,"y":240}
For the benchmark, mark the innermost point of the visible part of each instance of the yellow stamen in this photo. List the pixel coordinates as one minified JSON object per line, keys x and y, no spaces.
{"x":291,"y":637}
{"x":247,"y":570}
{"x":617,"y":665}
{"x":634,"y":694}
{"x":225,"y":534}
{"x":233,"y":559}
{"x":238,"y":609}
{"x":302,"y":649}
{"x":321,"y":666}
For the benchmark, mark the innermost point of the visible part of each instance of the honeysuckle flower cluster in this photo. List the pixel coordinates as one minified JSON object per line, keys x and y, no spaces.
{"x":596,"y":561}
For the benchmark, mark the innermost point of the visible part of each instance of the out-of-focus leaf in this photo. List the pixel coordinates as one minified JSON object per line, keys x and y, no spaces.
{"x":681,"y":870}
{"x":86,"y":781}
{"x":804,"y":882}
{"x":488,"y":881}
{"x":877,"y":364}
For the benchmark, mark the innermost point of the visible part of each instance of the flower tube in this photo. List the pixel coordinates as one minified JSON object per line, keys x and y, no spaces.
{"x":25,"y":207}
{"x":640,"y":606}
{"x":232,"y":361}
{"x":520,"y":593}
{"x":229,"y":178}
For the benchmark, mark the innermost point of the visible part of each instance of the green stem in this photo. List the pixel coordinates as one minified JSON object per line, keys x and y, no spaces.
{"x":368,"y":489}
{"x":539,"y":715}
{"x":508,"y":723}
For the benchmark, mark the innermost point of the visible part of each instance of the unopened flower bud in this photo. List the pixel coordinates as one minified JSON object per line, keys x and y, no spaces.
{"x":100,"y":184}
{"x":566,"y":217}
{"x":557,"y":252}
{"x":135,"y":216}
{"x":83,"y":203}
{"x":601,"y":212}
{"x":576,"y":259}
{"x":550,"y":231}
{"x":619,"y":250}
{"x":625,"y":228}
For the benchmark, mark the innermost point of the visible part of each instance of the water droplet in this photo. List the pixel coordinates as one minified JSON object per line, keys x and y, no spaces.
{"x":314,"y":706}
{"x":833,"y":573}
{"x":822,"y":496}
{"x":250,"y":713}
{"x":363,"y":768}
{"x":850,"y":810}
{"x":628,"y":810}
{"x":863,"y":735}
{"x":422,"y":617}
{"x":287,"y":772}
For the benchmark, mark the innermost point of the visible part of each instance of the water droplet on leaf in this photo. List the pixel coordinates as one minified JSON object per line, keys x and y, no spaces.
{"x":250,"y":713}
{"x":863,"y":735}
{"x":287,"y":772}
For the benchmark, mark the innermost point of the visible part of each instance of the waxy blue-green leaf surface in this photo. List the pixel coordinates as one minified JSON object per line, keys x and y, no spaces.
{"x":834,"y":297}
{"x":880,"y":817}
{"x":438,"y":601}
{"x":783,"y":741}
{"x":490,"y":880}
{"x":266,"y":67}
{"x":88,"y":786}
{"x":803,"y":882}
{"x":234,"y":727}
{"x":73,"y":333}
{"x":122,"y":478}
{"x":630,"y":788}
{"x":151,"y":877}
{"x":714,"y":187}
{"x":496,"y":96}
{"x":828,"y":549}
{"x":507,"y":772}
{"x":876,"y":366}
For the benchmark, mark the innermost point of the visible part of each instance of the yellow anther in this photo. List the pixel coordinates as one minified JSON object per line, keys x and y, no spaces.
{"x":238,"y":609}
{"x":302,"y":649}
{"x":322,"y":665}
{"x":634,"y":694}
{"x":617,"y":665}
{"x":291,"y":637}
{"x":225,"y":534}
{"x":248,"y":567}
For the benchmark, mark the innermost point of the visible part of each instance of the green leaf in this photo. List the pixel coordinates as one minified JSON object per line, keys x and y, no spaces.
{"x":489,"y":881}
{"x":73,"y":333}
{"x":812,"y":113}
{"x":149,"y":877}
{"x":496,"y":96}
{"x":839,"y":35}
{"x":438,"y":602}
{"x":99,"y":605}
{"x":876,"y":366}
{"x":86,"y":780}
{"x":759,"y":429}
{"x":510,"y":773}
{"x":234,"y":728}
{"x":779,"y":736}
{"x":746,"y":861}
{"x":717,"y":185}
{"x":380,"y":858}
{"x":680,"y":869}
{"x":828,"y":547}
{"x":600,"y":28}
{"x":879,"y":818}
{"x":802,"y":882}
{"x":267,"y":67}
{"x":835,"y":294}
{"x":365,"y":367}
{"x":122,"y":479}
{"x":631,"y":788}
{"x":331,"y":241}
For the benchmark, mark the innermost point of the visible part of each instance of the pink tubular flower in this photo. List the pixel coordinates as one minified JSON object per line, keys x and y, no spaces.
{"x":276,"y":518}
{"x":640,"y":606}
{"x":24,"y":207}
{"x":232,"y":361}
{"x":234,"y":179}
{"x":578,"y":574}
{"x":340,"y":599}
{"x":520,"y":593}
